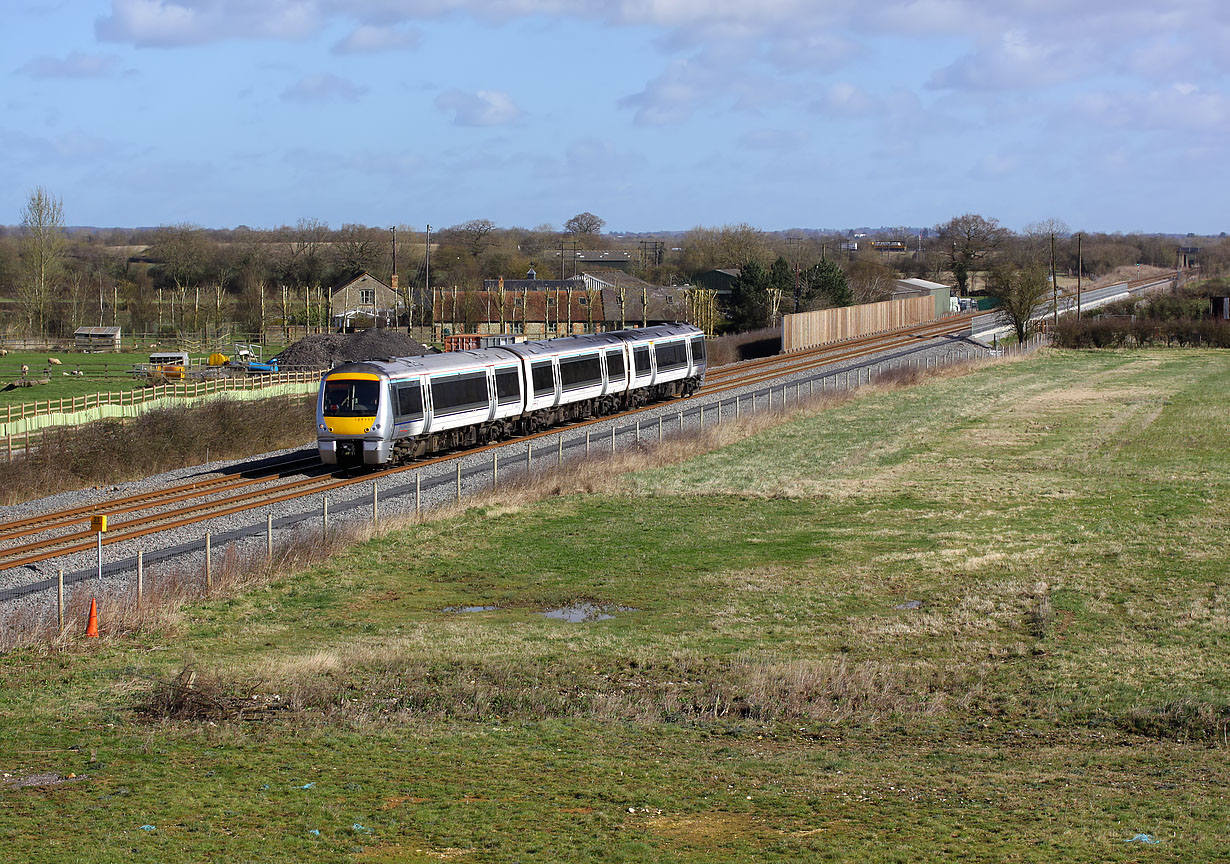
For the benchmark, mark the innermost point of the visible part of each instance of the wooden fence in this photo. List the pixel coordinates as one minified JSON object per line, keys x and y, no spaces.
{"x":138,"y":395}
{"x":809,"y":329}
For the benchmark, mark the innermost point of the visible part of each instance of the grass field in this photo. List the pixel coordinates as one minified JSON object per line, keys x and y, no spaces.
{"x":100,"y":373}
{"x":980,"y":619}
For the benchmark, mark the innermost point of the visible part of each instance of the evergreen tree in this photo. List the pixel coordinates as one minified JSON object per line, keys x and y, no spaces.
{"x":825,"y":285}
{"x":781,"y":280}
{"x":749,"y":298}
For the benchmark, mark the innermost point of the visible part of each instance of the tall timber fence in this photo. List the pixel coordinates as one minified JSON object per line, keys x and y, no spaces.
{"x":808,"y":329}
{"x":49,"y":598}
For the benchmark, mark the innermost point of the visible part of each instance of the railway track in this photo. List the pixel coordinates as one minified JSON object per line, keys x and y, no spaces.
{"x":191,"y":503}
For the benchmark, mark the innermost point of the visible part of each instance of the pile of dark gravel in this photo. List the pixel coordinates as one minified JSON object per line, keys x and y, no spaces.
{"x":325,"y":350}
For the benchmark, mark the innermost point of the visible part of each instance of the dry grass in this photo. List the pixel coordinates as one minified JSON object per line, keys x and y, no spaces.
{"x":406,"y":682}
{"x":111,"y":451}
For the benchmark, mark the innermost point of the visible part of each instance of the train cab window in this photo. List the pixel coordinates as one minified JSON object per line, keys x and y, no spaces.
{"x":614,"y":365}
{"x":507,"y":386}
{"x":457,"y":394}
{"x":698,"y":349}
{"x":640,"y":361}
{"x":544,"y":379}
{"x":671,"y":355}
{"x":410,"y":401}
{"x":578,"y":372}
{"x":348,"y":397}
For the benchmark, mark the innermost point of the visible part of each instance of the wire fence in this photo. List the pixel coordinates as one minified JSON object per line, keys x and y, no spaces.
{"x":462,"y":480}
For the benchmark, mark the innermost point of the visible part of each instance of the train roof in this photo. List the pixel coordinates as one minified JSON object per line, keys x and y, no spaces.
{"x":568,"y":344}
{"x":457,"y":361}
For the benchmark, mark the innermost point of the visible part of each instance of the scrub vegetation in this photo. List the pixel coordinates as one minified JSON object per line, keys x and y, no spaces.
{"x":113,"y":451}
{"x":981,"y":618}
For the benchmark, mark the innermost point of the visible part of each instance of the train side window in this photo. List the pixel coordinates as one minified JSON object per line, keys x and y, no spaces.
{"x":410,"y":401}
{"x":578,"y":372}
{"x":615,"y":365}
{"x":459,"y":393}
{"x":544,"y":380}
{"x":507,"y":386}
{"x":698,"y":349}
{"x":670,"y":355}
{"x":640,"y":360}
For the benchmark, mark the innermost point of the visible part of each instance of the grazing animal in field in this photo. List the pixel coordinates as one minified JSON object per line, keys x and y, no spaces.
{"x":4,"y":352}
{"x":54,"y":361}
{"x":25,"y":370}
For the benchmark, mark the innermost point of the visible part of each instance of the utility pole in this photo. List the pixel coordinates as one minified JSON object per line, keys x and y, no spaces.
{"x":794,"y":242}
{"x":427,"y":272}
{"x":1054,"y":285}
{"x":1080,"y":265}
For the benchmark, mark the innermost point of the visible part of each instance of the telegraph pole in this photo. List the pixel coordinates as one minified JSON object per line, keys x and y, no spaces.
{"x":1080,"y":265}
{"x":1054,"y":285}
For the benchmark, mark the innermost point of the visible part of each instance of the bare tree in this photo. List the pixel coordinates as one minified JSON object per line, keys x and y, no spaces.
{"x":969,"y":239}
{"x":584,"y":224}
{"x":358,"y":248}
{"x":1020,"y":291}
{"x":474,"y":235}
{"x":42,"y":257}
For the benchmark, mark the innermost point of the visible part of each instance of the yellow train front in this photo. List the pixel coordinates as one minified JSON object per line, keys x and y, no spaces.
{"x":353,"y":415}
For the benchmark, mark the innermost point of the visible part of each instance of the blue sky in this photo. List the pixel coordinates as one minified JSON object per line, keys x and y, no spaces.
{"x":654,"y":114}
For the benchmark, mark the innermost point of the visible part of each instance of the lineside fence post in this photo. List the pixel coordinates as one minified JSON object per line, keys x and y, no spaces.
{"x":60,"y":598}
{"x":559,"y":451}
{"x":458,"y":469}
{"x":586,"y":443}
{"x":418,"y":494}
{"x":375,"y":504}
{"x":324,"y":517}
{"x":140,"y":576}
{"x":269,"y":537}
{"x":612,"y":437}
{"x":495,"y":470}
{"x":209,"y":573}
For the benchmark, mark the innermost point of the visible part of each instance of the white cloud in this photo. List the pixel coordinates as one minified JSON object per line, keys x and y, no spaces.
{"x":75,"y":65}
{"x":1015,"y":61}
{"x":484,"y":108}
{"x":167,"y":23}
{"x":844,"y":99}
{"x":670,"y":97}
{"x":323,"y":88}
{"x":1181,"y":107}
{"x":370,"y":39}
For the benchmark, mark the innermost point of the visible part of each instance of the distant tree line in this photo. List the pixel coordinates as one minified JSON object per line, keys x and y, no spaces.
{"x":185,"y":277}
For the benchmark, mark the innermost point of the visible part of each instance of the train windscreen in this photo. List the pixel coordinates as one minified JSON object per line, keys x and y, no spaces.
{"x":351,"y":398}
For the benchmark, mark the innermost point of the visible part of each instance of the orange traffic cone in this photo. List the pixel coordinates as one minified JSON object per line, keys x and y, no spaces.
{"x":91,"y":627}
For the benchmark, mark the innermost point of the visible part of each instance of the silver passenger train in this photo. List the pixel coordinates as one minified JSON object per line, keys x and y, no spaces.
{"x":381,"y":411}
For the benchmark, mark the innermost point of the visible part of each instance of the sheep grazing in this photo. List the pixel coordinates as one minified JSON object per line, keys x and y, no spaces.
{"x":4,"y":352}
{"x":54,"y":361}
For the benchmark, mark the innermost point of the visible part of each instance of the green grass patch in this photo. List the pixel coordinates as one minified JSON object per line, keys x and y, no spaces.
{"x":983,"y":618}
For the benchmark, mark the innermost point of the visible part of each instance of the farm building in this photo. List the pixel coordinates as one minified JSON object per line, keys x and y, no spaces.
{"x":364,"y":301}
{"x":97,"y":340}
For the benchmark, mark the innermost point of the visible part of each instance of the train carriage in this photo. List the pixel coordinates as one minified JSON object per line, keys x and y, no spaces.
{"x":379,"y":411}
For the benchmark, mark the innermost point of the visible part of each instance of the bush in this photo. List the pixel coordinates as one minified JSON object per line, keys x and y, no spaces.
{"x":1123,"y":332}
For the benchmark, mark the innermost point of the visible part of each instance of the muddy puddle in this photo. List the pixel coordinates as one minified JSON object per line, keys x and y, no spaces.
{"x":584,"y":613}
